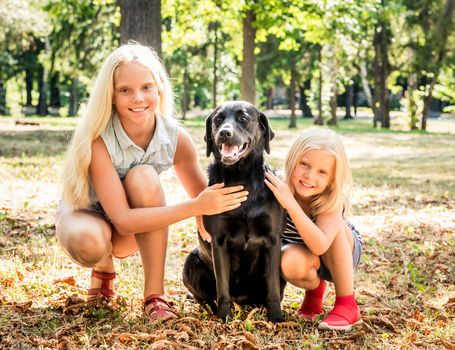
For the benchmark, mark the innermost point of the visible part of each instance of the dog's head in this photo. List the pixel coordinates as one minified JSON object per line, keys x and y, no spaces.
{"x":236,"y":129}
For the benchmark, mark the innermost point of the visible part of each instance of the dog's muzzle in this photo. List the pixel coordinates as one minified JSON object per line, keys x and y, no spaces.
{"x":230,"y":154}
{"x":231,"y":150}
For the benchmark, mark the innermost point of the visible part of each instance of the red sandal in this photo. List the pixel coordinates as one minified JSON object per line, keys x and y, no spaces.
{"x":104,"y":291}
{"x":161,"y":310}
{"x":311,"y":305}
{"x":344,"y":316}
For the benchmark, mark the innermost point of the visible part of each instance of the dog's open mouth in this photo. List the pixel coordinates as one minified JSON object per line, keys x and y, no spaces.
{"x":232,"y":153}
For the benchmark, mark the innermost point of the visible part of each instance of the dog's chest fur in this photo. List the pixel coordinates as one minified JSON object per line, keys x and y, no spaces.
{"x":251,"y":226}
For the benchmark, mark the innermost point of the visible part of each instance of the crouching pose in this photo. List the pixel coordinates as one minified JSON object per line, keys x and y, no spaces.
{"x":113,"y":202}
{"x":319,"y":244}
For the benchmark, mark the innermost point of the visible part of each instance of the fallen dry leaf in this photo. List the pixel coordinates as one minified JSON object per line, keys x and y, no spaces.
{"x":20,"y":275}
{"x":125,"y":338}
{"x":7,"y":282}
{"x":414,"y":323}
{"x":247,"y":345}
{"x":419,"y":316}
{"x":288,"y":324}
{"x":251,"y":314}
{"x":248,"y":335}
{"x":182,"y":336}
{"x":185,"y":328}
{"x":23,"y":306}
{"x":447,"y":344}
{"x":68,"y":280}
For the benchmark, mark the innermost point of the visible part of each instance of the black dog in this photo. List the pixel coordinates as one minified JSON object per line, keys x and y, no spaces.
{"x":242,"y":262}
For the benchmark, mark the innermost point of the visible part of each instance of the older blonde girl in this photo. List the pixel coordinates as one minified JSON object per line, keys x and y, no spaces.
{"x":113,"y":203}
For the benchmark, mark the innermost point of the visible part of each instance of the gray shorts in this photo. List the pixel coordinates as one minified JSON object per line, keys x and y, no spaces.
{"x":323,"y":271}
{"x":95,"y":209}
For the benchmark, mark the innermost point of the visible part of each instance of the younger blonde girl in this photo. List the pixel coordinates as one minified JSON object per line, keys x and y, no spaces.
{"x":319,"y":244}
{"x":113,"y":203}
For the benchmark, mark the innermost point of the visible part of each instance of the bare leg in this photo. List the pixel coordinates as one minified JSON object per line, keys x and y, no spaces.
{"x":86,"y":239}
{"x":143,"y":189}
{"x":89,"y":241}
{"x":338,"y":260}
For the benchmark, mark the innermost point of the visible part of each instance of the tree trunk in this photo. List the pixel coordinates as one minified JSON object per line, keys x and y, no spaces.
{"x":426,"y":105}
{"x":355,"y":98}
{"x":185,"y":95}
{"x":333,"y":105}
{"x":293,"y":123}
{"x":332,"y":66}
{"x":55,"y":92}
{"x":381,"y":73}
{"x":269,"y":102}
{"x":3,"y":108}
{"x":43,"y":86}
{"x":412,"y":101}
{"x":28,"y":87}
{"x":349,"y":98}
{"x":303,"y":103}
{"x":141,"y":21}
{"x":215,"y":55}
{"x":248,"y":75}
{"x":74,"y":98}
{"x":41,"y":109}
{"x":367,"y":90}
{"x":319,"y":120}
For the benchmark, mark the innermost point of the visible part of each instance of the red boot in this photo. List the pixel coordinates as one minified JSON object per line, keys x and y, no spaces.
{"x":344,"y":315}
{"x":312,"y":302}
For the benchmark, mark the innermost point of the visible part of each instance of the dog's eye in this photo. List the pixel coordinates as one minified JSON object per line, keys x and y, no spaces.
{"x":217,"y":119}
{"x":243,"y":118}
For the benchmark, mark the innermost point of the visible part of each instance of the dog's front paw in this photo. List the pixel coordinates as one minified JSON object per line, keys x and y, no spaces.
{"x":224,"y":312}
{"x":275,"y":314}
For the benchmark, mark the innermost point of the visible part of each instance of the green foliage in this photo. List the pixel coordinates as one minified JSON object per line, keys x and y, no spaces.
{"x":203,"y":39}
{"x":445,"y":89}
{"x":83,"y":33}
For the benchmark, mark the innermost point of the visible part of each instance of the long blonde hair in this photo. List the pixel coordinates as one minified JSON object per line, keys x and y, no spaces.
{"x":98,"y":112}
{"x":338,"y":189}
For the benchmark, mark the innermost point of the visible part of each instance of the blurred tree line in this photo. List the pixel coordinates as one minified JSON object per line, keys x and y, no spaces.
{"x":309,"y":54}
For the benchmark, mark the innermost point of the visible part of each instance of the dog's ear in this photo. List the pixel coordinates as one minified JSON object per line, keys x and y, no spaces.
{"x":268,"y":133}
{"x":208,"y":135}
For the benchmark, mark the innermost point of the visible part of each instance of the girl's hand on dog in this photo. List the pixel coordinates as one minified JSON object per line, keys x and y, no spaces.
{"x":280,"y":190}
{"x":217,"y":199}
{"x":201,"y":229}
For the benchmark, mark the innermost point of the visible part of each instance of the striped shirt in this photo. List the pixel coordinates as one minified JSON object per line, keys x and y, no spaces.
{"x":292,"y":236}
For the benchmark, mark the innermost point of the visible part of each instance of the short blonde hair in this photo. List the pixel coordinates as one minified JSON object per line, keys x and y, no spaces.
{"x":98,"y":112}
{"x":338,"y":189}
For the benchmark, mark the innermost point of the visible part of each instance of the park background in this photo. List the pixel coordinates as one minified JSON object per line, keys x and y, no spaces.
{"x":379,"y":72}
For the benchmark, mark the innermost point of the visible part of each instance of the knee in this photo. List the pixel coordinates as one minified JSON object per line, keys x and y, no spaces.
{"x":88,"y":246}
{"x":295,"y":266}
{"x":143,"y":187}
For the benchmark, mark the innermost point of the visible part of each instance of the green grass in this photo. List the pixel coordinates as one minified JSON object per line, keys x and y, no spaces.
{"x":403,"y":204}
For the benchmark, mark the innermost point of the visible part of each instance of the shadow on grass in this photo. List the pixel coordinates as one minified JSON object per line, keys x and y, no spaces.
{"x":33,"y":142}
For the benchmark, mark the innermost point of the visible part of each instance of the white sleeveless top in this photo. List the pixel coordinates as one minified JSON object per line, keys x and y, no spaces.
{"x":125,"y":154}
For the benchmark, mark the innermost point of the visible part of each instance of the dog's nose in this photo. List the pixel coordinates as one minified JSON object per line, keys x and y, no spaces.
{"x":226,"y":133}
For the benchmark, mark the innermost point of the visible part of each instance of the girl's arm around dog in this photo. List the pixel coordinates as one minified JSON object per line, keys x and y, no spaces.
{"x":108,"y":187}
{"x":317,"y":236}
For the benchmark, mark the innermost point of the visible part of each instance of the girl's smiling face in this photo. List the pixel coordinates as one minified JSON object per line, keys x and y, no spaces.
{"x":313,"y":173}
{"x":135,"y":93}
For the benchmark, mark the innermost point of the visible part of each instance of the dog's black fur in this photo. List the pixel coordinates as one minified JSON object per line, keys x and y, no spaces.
{"x":242,"y":262}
